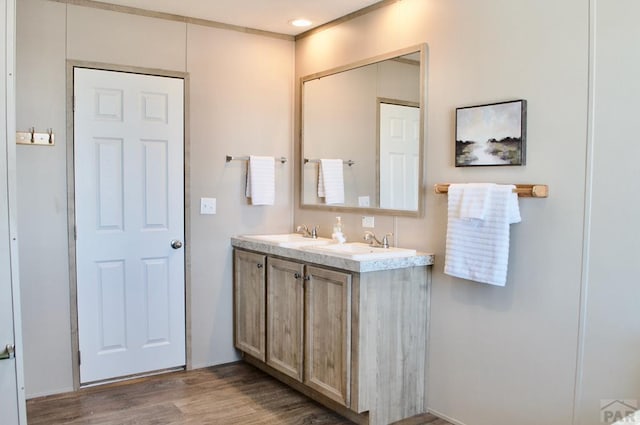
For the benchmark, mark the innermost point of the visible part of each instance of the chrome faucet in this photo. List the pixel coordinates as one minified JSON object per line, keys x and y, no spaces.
{"x":374,"y":242}
{"x":306,"y":233}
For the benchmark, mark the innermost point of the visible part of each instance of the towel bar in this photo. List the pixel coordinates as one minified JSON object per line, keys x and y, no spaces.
{"x":523,"y":190}
{"x":346,"y":162}
{"x":230,"y":158}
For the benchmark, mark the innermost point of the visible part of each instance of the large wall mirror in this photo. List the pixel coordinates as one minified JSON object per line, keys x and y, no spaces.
{"x":370,"y":115}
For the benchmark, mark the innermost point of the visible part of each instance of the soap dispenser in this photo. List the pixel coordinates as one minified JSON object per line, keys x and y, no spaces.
{"x":337,"y":234}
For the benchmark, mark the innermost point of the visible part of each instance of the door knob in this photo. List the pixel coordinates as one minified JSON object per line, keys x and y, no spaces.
{"x":176,"y":244}
{"x":8,"y":352}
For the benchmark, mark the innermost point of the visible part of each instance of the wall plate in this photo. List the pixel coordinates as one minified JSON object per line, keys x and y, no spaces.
{"x":368,"y":222}
{"x":208,"y":205}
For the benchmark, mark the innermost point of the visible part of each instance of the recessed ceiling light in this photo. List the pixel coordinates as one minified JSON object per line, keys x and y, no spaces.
{"x":300,"y":22}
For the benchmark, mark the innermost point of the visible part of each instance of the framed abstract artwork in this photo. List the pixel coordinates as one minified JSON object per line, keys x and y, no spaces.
{"x":492,"y":134}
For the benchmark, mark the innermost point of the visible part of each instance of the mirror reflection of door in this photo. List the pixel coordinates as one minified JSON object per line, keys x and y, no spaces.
{"x":399,"y":153}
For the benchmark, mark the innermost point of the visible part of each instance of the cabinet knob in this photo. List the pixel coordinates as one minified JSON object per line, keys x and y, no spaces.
{"x":297,"y":275}
{"x":259,"y":265}
{"x":307,"y":277}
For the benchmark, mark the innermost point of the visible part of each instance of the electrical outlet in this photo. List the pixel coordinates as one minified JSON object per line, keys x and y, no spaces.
{"x":368,"y":222}
{"x":363,"y":201}
{"x":207,"y":205}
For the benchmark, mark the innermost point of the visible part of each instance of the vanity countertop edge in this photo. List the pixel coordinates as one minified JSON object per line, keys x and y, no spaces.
{"x":359,"y":266}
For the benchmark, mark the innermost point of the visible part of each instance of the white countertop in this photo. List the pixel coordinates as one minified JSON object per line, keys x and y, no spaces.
{"x":336,"y":261}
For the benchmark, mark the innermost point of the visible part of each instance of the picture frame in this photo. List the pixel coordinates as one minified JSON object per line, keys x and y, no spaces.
{"x":493,"y":134}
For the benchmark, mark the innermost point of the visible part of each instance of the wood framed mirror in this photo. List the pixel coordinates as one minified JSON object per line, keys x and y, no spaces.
{"x":369,"y":114}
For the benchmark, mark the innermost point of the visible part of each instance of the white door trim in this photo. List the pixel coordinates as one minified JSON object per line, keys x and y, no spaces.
{"x":71,"y":64}
{"x":8,"y":156}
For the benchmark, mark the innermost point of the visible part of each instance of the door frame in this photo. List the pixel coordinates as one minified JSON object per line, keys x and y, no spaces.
{"x":71,"y":217}
{"x":8,"y":156}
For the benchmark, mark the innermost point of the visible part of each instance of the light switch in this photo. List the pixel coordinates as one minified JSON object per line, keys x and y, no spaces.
{"x":368,"y":222}
{"x":207,"y":205}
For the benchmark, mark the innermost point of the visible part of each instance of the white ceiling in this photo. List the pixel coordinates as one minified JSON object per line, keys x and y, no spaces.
{"x":268,"y":15}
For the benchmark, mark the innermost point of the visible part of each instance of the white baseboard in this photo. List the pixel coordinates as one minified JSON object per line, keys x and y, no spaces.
{"x":29,"y":396}
{"x":445,"y":417}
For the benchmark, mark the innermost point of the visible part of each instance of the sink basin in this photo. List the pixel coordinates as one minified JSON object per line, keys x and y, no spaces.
{"x":289,"y":240}
{"x":361,"y":251}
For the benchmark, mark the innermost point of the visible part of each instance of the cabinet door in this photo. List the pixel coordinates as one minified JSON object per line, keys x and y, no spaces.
{"x":328,"y":333}
{"x":249,"y":303}
{"x":285,"y":318}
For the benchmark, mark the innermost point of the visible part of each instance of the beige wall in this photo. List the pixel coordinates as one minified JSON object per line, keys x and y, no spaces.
{"x":240,"y":103}
{"x":563,"y":334}
{"x":612,"y":293}
{"x":42,"y":198}
{"x":497,"y":355}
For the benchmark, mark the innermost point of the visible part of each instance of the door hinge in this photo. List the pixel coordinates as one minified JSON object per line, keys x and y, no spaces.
{"x":73,"y":103}
{"x":79,"y":357}
{"x":75,"y":232}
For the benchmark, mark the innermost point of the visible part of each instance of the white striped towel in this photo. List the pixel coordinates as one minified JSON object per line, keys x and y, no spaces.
{"x":261,"y":181}
{"x":474,"y":201}
{"x":331,"y":181}
{"x":478,"y":249}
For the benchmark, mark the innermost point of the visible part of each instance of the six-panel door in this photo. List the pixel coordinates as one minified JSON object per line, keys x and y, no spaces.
{"x":249,"y":303}
{"x":129,"y":211}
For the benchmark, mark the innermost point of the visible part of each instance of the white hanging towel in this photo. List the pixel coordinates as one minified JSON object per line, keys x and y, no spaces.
{"x":261,"y":180}
{"x":478,"y":231}
{"x":474,"y":201}
{"x":331,"y":181}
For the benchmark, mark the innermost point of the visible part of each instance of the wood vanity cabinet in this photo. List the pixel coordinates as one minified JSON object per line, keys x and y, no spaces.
{"x":307,"y":312}
{"x":285,"y":317}
{"x":354,"y":341}
{"x":249,"y":303}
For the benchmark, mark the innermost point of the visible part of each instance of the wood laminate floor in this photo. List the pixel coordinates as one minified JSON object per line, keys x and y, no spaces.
{"x":230,"y":394}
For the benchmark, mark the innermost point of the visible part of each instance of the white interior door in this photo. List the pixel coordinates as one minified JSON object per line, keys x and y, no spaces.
{"x":12,"y":402}
{"x":129,"y":206}
{"x":399,"y":156}
{"x":9,"y":393}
